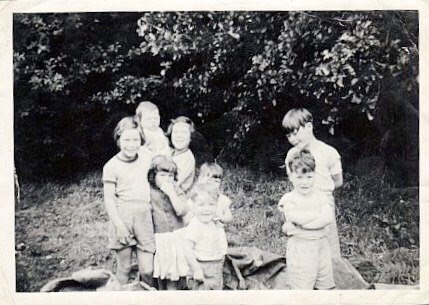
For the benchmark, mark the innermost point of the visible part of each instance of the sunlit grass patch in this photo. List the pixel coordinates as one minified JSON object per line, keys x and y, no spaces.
{"x":64,"y":226}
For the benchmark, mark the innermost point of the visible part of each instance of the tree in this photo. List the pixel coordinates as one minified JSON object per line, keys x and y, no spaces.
{"x":248,"y":68}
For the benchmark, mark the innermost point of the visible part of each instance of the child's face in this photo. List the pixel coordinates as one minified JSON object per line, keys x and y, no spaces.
{"x":303,"y":183}
{"x":181,"y":135}
{"x":150,"y":119}
{"x":129,"y":143}
{"x":204,"y":208}
{"x":300,"y":136}
{"x":213,"y":180}
{"x":162,"y":178}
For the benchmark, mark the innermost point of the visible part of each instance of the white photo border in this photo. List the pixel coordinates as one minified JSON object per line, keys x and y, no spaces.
{"x":7,"y":213}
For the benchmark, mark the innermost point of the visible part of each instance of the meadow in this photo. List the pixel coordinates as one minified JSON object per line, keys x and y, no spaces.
{"x":61,"y":227}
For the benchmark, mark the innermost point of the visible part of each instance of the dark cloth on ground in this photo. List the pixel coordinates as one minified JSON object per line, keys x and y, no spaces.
{"x":244,"y":268}
{"x":252,"y":268}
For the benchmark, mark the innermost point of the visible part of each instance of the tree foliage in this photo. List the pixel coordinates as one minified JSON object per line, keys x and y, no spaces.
{"x":73,"y":71}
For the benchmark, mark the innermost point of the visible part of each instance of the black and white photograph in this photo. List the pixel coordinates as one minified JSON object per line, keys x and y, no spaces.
{"x":220,"y":149}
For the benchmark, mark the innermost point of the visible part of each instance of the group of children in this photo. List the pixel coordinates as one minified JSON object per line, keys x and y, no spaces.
{"x":175,"y":223}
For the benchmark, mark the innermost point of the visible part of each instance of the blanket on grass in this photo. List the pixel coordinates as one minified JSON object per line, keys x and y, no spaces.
{"x":245,"y":268}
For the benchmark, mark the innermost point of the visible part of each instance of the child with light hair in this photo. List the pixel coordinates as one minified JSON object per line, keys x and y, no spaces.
{"x":155,"y":141}
{"x":205,"y":244}
{"x":298,"y":124}
{"x":307,"y":213}
{"x":180,"y":131}
{"x":127,"y":201}
{"x":212,"y":173}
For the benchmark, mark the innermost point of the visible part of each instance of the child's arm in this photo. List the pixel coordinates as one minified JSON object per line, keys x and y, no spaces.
{"x":325,"y":217}
{"x":187,"y":217}
{"x":225,"y":213}
{"x":124,"y":235}
{"x":187,"y":174}
{"x":291,"y":212}
{"x":198,"y":273}
{"x":295,"y":215}
{"x":287,"y":227}
{"x":336,"y":169}
{"x":338,"y":180}
{"x":178,"y":200}
{"x":226,"y":216}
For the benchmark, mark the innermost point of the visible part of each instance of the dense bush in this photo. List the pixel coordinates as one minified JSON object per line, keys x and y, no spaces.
{"x":75,"y":74}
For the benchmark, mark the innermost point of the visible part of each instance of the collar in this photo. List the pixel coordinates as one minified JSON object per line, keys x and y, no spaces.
{"x":179,"y":152}
{"x":127,"y":161}
{"x":311,"y":143}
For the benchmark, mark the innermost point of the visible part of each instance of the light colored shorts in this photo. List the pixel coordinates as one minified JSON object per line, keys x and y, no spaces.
{"x":137,"y":216}
{"x":309,"y":264}
{"x":213,"y":276}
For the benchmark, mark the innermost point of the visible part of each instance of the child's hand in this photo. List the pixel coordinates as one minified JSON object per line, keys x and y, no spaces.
{"x":124,"y":235}
{"x":285,"y":228}
{"x":167,"y":188}
{"x":219,"y":223}
{"x":199,"y":275}
{"x":298,"y":226}
{"x":288,"y":226}
{"x":242,"y":284}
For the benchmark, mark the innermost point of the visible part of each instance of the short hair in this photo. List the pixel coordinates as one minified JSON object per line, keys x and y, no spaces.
{"x":124,"y":124}
{"x":181,"y":119}
{"x":296,"y":118}
{"x":302,"y":162}
{"x":211,"y":169}
{"x":200,"y":189}
{"x":161,"y":163}
{"x":145,"y":106}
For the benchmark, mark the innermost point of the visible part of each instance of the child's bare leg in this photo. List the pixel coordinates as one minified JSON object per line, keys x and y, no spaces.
{"x":123,"y":261}
{"x":145,"y":262}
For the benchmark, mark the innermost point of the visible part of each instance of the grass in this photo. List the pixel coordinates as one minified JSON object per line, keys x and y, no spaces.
{"x":62,"y":227}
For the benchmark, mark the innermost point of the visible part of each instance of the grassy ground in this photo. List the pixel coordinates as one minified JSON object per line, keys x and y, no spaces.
{"x":62,"y":228}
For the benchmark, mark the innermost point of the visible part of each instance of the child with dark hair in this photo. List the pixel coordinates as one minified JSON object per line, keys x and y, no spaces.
{"x":298,"y":124}
{"x":168,"y":201}
{"x":168,"y":208}
{"x":308,"y":214}
{"x":127,"y":201}
{"x":180,"y":131}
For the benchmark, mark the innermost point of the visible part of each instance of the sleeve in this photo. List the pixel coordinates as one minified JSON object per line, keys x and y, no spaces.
{"x":166,"y":151}
{"x":288,"y":205}
{"x":192,"y":232}
{"x":335,"y":164}
{"x":283,"y":202}
{"x":109,"y":173}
